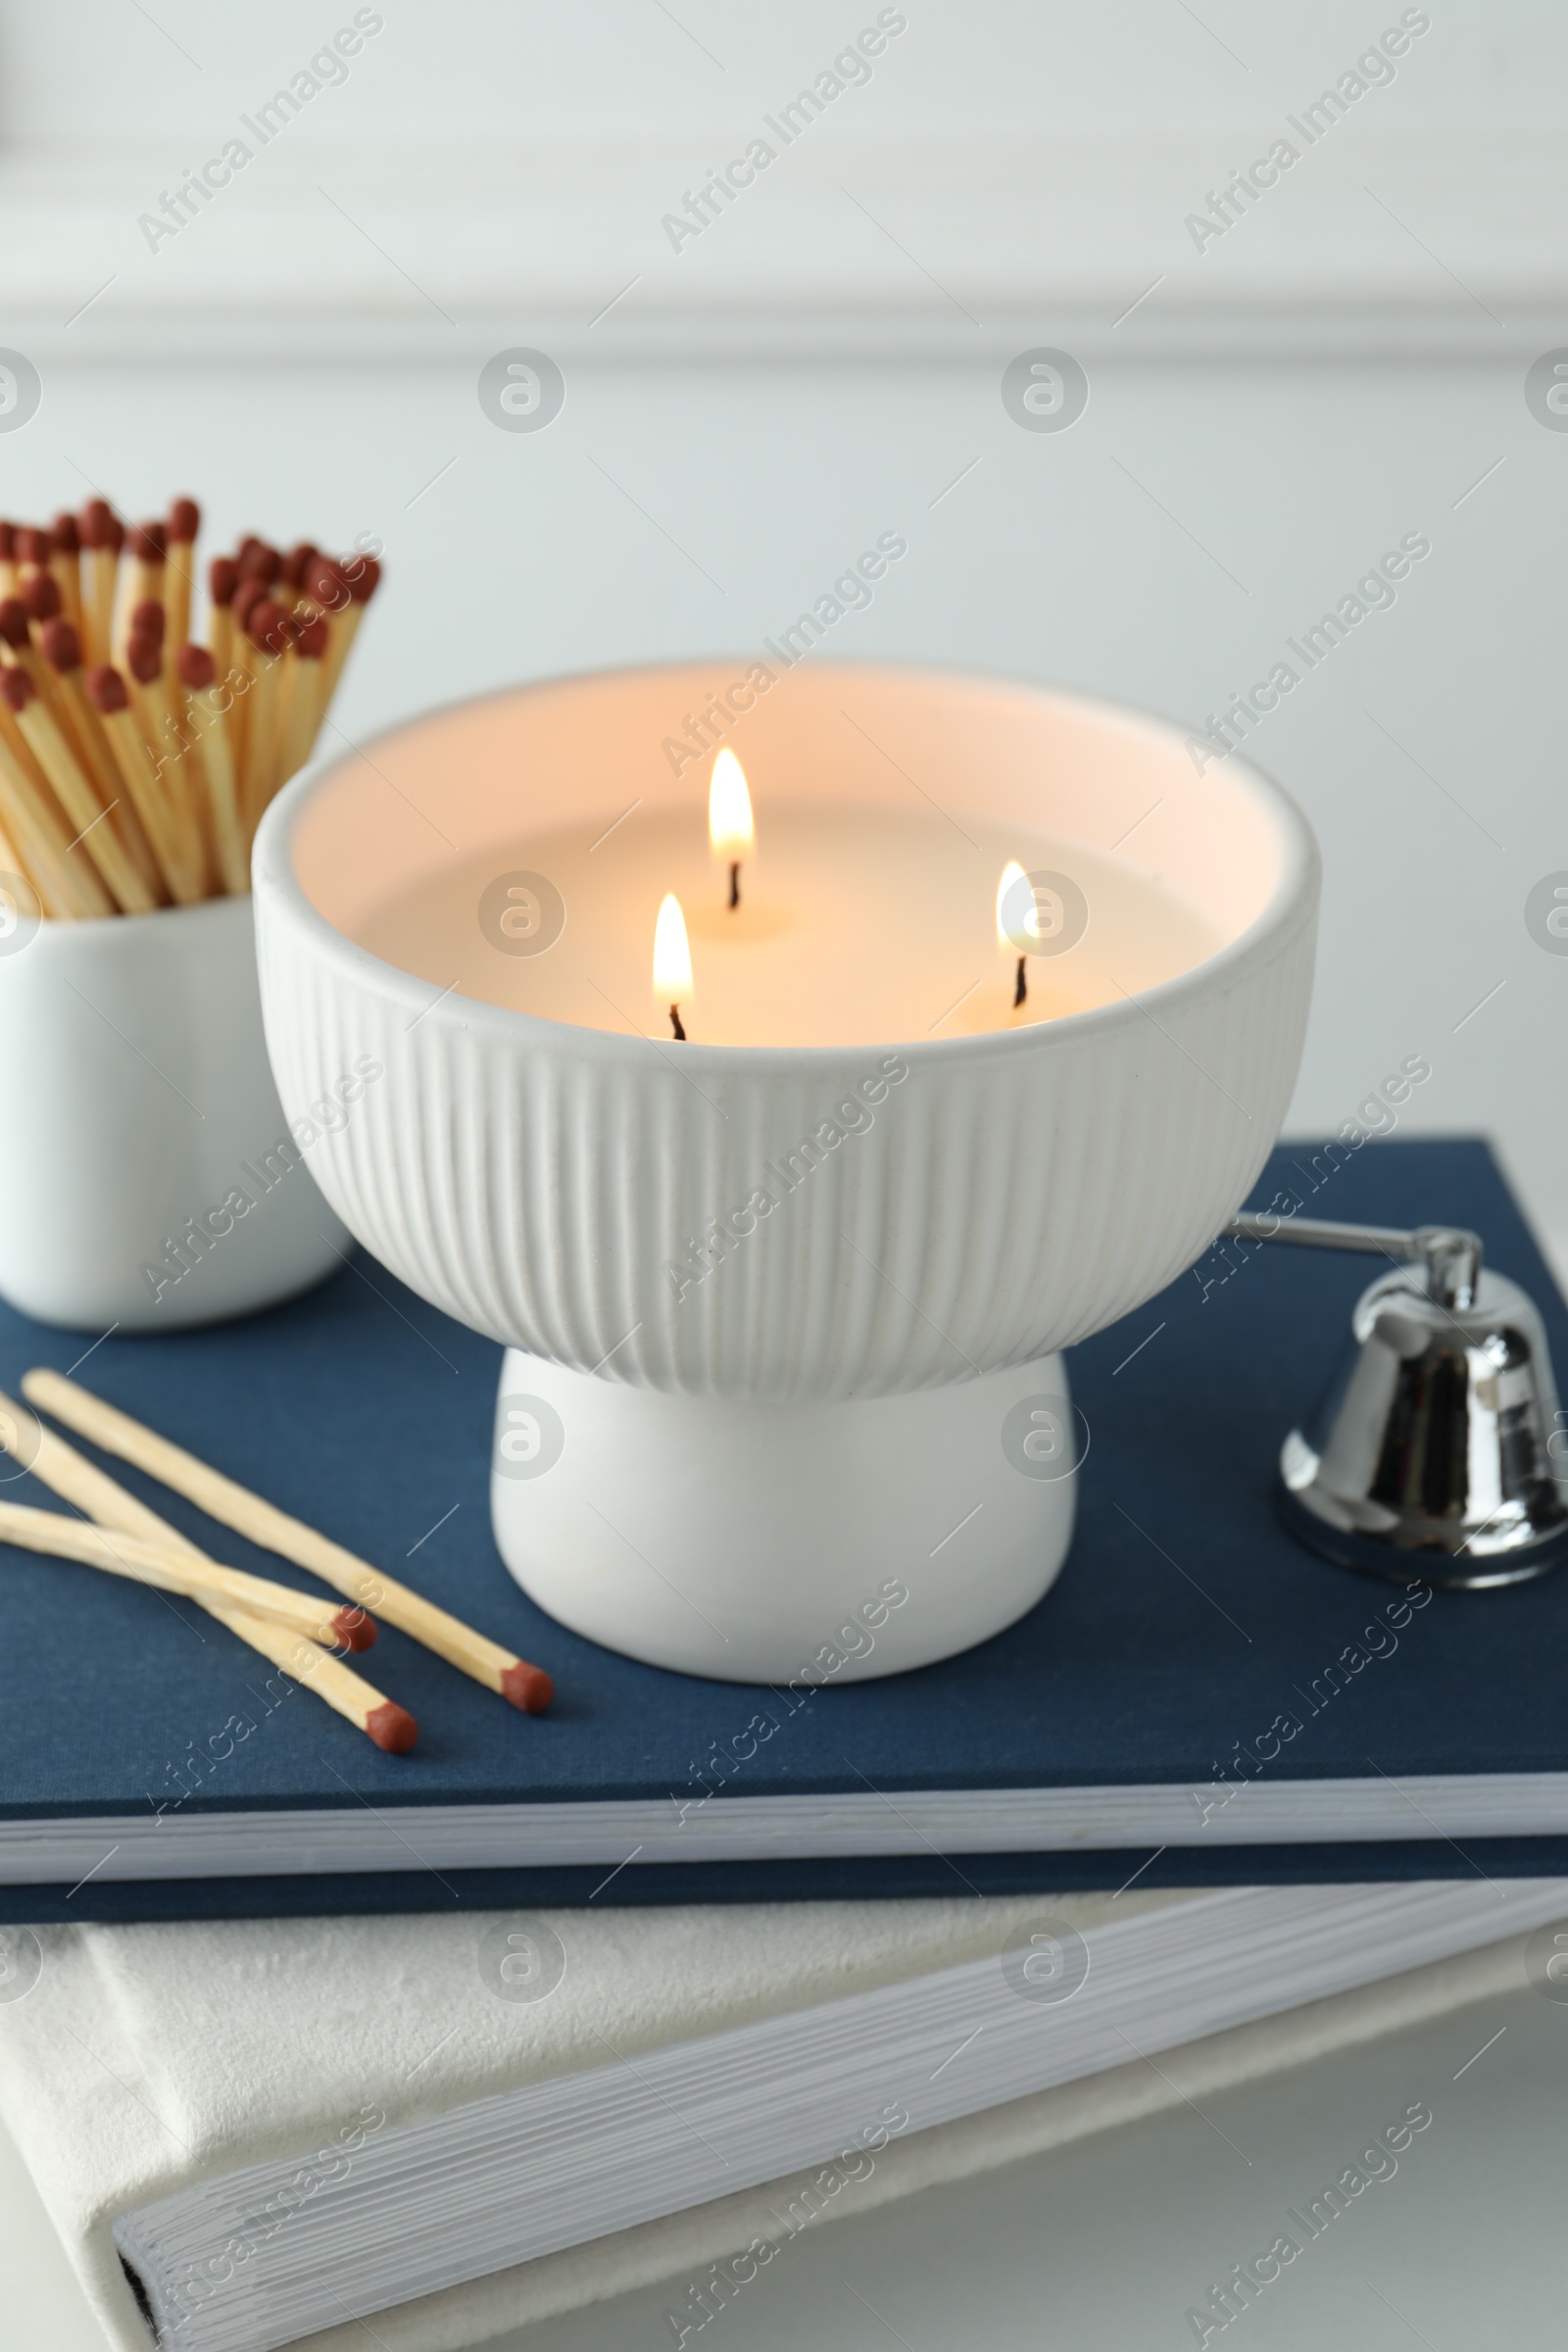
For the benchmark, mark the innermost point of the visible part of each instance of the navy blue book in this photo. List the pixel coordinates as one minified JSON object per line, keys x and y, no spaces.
{"x":1197,"y":1700}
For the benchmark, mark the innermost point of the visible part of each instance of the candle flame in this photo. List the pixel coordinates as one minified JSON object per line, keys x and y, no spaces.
{"x":1012,"y":875}
{"x":729,"y":810}
{"x":672,"y":956}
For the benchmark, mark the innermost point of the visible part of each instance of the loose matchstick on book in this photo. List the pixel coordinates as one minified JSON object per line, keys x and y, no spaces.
{"x":526,"y":1686}
{"x":70,"y":1474}
{"x":159,"y":1564}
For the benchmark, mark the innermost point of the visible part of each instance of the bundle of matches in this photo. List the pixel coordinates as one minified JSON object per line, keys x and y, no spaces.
{"x":135,"y":764}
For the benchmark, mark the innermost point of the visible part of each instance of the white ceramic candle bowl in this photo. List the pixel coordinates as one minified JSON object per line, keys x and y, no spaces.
{"x":148,"y":1178}
{"x":590,"y":1195}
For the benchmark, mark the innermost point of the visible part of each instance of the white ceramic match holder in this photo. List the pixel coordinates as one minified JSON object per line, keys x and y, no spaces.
{"x":148,"y":1177}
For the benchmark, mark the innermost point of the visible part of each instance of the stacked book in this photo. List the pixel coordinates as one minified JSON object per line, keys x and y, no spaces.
{"x":682,"y":1968}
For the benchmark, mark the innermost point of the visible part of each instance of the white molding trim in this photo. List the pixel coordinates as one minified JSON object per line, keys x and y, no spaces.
{"x":1400,"y":243}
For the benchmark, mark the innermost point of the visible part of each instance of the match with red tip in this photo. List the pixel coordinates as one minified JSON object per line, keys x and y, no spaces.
{"x":62,"y":644}
{"x":195,"y":668}
{"x":41,"y":599}
{"x":527,"y":1687}
{"x":101,"y":526}
{"x":144,"y":659}
{"x":326,"y":585}
{"x":392,"y":1726}
{"x":106,"y":689}
{"x":354,"y":1630}
{"x":270,"y":627}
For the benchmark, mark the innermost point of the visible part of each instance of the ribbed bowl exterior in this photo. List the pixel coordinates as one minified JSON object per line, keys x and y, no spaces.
{"x":966,"y":1205}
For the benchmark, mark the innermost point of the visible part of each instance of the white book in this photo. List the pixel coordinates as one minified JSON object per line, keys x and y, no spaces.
{"x":250,"y":2134}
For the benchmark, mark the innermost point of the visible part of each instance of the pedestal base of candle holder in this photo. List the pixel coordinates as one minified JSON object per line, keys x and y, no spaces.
{"x":762,"y":1542}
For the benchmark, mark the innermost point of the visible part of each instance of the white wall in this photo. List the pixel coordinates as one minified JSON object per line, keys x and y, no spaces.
{"x":1279,"y":410}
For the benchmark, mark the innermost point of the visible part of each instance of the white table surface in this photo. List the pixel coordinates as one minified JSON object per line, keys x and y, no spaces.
{"x":1103,"y":2247}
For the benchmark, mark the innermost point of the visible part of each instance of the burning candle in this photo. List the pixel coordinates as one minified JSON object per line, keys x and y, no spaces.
{"x":1012,"y":901}
{"x":730,"y":830}
{"x":790,"y":1248}
{"x":878,"y":921}
{"x":672,"y":961}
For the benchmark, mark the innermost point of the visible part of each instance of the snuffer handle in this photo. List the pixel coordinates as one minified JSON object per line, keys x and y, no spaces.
{"x":1450,"y":1255}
